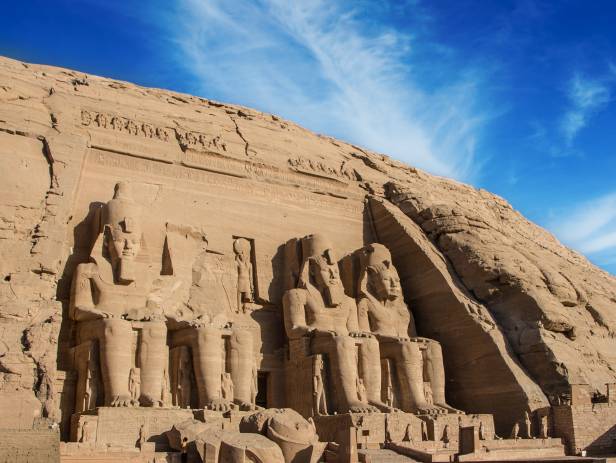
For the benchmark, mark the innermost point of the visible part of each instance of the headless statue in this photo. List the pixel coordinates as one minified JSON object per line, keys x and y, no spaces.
{"x":110,"y":296}
{"x":382,"y":306}
{"x":319,"y":309}
{"x":204,"y":325}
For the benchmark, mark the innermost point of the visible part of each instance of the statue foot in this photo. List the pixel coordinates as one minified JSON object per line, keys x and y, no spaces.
{"x":426,"y":409}
{"x":246,"y":406}
{"x":359,"y":407}
{"x":121,"y":401}
{"x":149,"y":401}
{"x":219,"y":405}
{"x":383,"y":407}
{"x":450,"y":409}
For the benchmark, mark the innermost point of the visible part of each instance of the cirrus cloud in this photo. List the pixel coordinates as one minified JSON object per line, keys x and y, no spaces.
{"x":318,"y":63}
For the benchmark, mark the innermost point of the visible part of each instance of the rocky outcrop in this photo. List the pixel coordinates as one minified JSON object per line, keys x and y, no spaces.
{"x":556,"y":310}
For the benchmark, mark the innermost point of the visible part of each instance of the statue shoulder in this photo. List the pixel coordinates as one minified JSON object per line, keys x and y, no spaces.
{"x":86,"y":269}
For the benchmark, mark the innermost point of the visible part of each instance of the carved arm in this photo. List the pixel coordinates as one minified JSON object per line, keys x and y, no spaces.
{"x":293,"y":303}
{"x":82,"y":306}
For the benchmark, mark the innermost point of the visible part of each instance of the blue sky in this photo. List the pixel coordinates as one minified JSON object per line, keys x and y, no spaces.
{"x":516,"y":97}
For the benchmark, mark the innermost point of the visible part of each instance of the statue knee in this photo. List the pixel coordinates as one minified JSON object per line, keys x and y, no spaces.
{"x":435,"y":346}
{"x":242,"y":338}
{"x":155,"y":331}
{"x":410,"y":350}
{"x":344,"y":342}
{"x":114,"y":327}
{"x":370,"y":344}
{"x":207,"y":334}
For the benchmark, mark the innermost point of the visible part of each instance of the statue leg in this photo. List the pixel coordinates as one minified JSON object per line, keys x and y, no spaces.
{"x":114,"y":337}
{"x":207,"y":351}
{"x":370,"y":362}
{"x":241,"y":366}
{"x":206,"y":345}
{"x":435,"y":372}
{"x":409,"y":365}
{"x":340,"y":351}
{"x":152,"y":358}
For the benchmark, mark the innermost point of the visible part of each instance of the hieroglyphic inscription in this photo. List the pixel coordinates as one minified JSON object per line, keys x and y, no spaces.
{"x":121,"y":124}
{"x":125,"y":125}
{"x":200,"y":142}
{"x":321,"y":169}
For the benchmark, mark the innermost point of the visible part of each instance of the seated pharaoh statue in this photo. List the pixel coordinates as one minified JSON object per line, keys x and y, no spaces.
{"x":208,"y":331}
{"x":417,"y":361}
{"x":321,"y":317}
{"x":110,"y":301}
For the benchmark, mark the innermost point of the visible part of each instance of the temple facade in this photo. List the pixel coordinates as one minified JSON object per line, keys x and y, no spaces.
{"x":185,"y":280}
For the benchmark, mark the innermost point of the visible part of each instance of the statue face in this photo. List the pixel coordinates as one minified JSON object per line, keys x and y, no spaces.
{"x":123,"y":248}
{"x":325,"y":273}
{"x":122,"y":245}
{"x":384,"y":282}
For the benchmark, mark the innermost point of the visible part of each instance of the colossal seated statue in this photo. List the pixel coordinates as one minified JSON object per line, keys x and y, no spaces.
{"x":318,"y":311}
{"x":417,"y":360}
{"x":210,"y":327}
{"x":110,"y":299}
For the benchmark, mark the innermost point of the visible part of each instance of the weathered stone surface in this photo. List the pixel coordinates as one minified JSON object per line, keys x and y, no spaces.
{"x":229,"y":198}
{"x":556,"y":309}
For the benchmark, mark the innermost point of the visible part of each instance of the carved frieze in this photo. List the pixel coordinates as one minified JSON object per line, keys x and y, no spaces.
{"x":321,"y":169}
{"x":200,"y":142}
{"x":125,"y":125}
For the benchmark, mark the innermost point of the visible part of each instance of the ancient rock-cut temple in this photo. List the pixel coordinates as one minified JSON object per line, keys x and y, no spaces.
{"x":186,"y":280}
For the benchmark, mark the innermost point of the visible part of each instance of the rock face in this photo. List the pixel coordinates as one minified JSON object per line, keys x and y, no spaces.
{"x":520,"y":318}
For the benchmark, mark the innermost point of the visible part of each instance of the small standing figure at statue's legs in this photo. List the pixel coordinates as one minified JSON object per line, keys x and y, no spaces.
{"x":254,"y":386}
{"x":544,"y":427}
{"x":481,"y":431}
{"x":227,"y":387}
{"x":164,"y":393}
{"x":515,"y":432}
{"x":362,"y":394}
{"x":528,"y":426}
{"x":134,"y":386}
{"x":318,"y":387}
{"x":390,"y":394}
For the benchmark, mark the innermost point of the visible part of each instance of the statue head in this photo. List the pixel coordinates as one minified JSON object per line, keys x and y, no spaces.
{"x":242,"y":248}
{"x":320,"y":267}
{"x":378,"y":274}
{"x":122,"y":234}
{"x":294,"y":434}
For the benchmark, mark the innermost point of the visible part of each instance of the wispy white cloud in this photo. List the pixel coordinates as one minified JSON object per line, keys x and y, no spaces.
{"x":586,"y":97}
{"x":319,"y":63}
{"x":591,"y":228}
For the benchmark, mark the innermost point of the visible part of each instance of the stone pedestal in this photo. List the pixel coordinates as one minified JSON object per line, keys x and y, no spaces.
{"x":369,"y":427}
{"x":121,"y":427}
{"x":436,"y":426}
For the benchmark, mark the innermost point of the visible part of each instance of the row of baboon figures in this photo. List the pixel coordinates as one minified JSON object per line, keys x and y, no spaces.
{"x":134,"y":319}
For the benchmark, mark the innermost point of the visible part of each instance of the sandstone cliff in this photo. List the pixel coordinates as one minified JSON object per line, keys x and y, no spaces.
{"x":519,"y":315}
